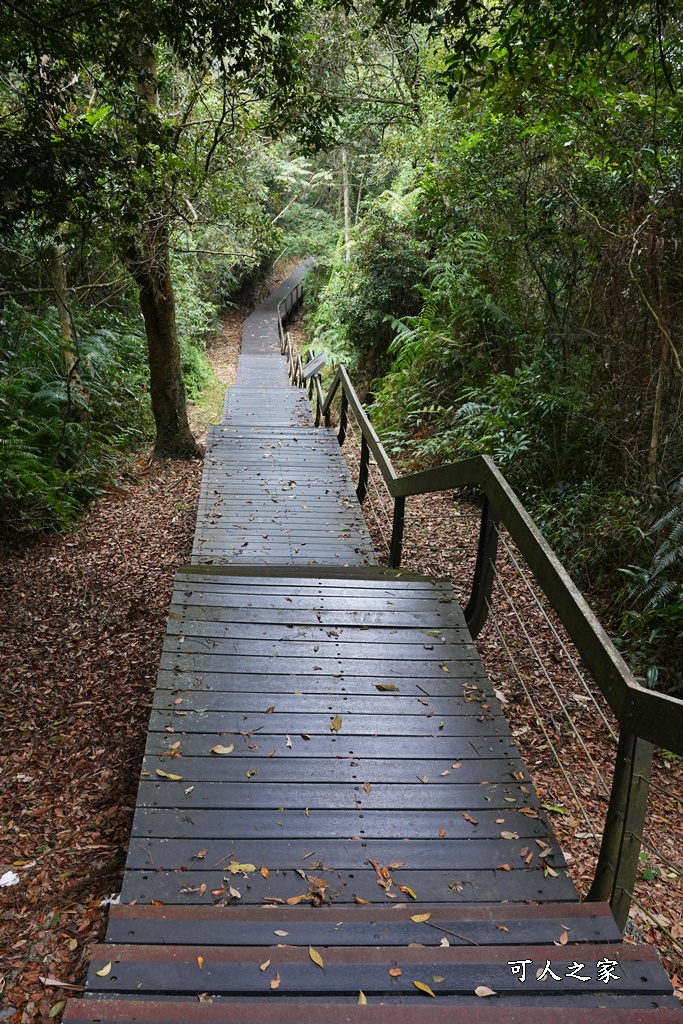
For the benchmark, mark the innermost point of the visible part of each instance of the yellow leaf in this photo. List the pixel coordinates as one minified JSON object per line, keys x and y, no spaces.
{"x":483,"y":991}
{"x":167,"y":775}
{"x":306,"y":811}
{"x":408,"y":891}
{"x":419,"y":918}
{"x":200,"y":962}
{"x":316,"y":957}
{"x":336,"y":723}
{"x":57,"y":1008}
{"x":424,"y":988}
{"x":73,"y":944}
{"x":220,"y":749}
{"x":362,"y":1001}
{"x":265,"y":872}
{"x":385,"y":686}
{"x":265,"y":966}
{"x":359,"y":900}
{"x":275,"y":982}
{"x":437,"y":978}
{"x":105,"y":970}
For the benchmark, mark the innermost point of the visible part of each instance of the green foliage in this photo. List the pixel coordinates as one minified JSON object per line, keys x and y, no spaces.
{"x":61,"y":434}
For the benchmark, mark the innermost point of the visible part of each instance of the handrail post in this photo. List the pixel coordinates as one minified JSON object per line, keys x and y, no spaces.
{"x":617,"y":866}
{"x":397,"y":532}
{"x":477,"y":610}
{"x":363,"y":471}
{"x":343,"y":418}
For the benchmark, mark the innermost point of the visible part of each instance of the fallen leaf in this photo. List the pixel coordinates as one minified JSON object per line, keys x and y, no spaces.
{"x":385,"y":686}
{"x":502,"y":867}
{"x":357,"y":899}
{"x":288,"y":740}
{"x":424,"y":988}
{"x":278,"y":931}
{"x":419,"y":918}
{"x":57,"y":1008}
{"x":437,"y":978}
{"x":336,"y":723}
{"x":408,"y":891}
{"x":444,"y":942}
{"x":73,"y":944}
{"x":468,"y":817}
{"x":564,"y":939}
{"x":316,"y":957}
{"x":252,"y":771}
{"x":509,"y":835}
{"x":502,"y":928}
{"x":367,"y":787}
{"x":442,"y":832}
{"x":362,"y":1001}
{"x":105,"y":970}
{"x":395,"y":972}
{"x":220,"y":749}
{"x":275,"y":982}
{"x":200,"y":962}
{"x":167,"y":775}
{"x":293,"y":900}
{"x":51,"y":982}
{"x":483,"y":991}
{"x":265,"y":872}
{"x":265,"y":966}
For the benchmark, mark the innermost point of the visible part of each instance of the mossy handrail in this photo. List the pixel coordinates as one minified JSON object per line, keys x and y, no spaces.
{"x":646,"y":718}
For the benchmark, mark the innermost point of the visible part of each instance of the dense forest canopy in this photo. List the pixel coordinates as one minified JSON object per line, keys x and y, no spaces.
{"x":493,"y":189}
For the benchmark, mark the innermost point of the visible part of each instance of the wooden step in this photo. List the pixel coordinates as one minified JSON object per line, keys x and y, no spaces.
{"x":284,"y":1012}
{"x":494,"y":924}
{"x":584,"y":975}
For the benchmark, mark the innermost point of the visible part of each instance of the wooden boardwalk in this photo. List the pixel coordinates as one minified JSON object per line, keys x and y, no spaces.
{"x":332,"y":807}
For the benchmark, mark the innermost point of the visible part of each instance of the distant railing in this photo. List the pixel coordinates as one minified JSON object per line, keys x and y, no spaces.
{"x":645,"y":718}
{"x":286,"y":306}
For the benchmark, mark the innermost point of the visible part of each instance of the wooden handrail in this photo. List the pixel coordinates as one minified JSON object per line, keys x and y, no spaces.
{"x":653,"y":716}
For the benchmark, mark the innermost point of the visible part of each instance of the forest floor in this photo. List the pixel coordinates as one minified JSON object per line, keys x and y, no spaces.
{"x":82,"y":620}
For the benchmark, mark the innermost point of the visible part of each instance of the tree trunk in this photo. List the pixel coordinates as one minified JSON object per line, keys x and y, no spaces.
{"x":58,"y":278}
{"x":149,"y":265}
{"x":347,"y":203}
{"x":147,"y":258}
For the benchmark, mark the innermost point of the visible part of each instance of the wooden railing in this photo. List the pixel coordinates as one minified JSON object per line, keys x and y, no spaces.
{"x":645,"y":718}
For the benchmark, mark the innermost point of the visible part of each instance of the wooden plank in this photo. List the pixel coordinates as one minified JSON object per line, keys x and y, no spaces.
{"x":293,"y":822}
{"x":332,"y":746}
{"x":278,"y":1011}
{"x":317,"y":795}
{"x":437,"y":854}
{"x":187,"y":699}
{"x":487,"y":924}
{"x":346,"y":887}
{"x":230,"y":769}
{"x":307,"y":725}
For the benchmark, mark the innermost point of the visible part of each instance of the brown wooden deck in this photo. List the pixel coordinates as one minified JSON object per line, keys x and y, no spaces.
{"x":332,"y":807}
